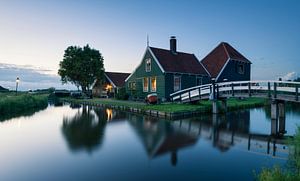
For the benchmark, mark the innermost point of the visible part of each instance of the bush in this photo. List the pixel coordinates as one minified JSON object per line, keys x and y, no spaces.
{"x":122,"y":95}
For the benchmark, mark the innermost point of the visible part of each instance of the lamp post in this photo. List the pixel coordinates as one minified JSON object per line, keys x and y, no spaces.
{"x":17,"y":84}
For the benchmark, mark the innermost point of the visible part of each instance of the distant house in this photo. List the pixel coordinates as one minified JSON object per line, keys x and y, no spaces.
{"x":112,"y":83}
{"x":164,"y":71}
{"x":224,"y":63}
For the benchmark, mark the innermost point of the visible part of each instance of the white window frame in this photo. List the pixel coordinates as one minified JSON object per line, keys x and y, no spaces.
{"x":179,"y":83}
{"x":153,"y":90}
{"x":148,"y":69}
{"x":147,"y":89}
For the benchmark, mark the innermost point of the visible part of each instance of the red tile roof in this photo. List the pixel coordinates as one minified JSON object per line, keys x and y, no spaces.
{"x":216,"y":59}
{"x":117,"y":78}
{"x":179,"y":62}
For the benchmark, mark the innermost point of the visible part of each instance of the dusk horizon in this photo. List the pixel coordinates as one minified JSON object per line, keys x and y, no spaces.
{"x":37,"y":35}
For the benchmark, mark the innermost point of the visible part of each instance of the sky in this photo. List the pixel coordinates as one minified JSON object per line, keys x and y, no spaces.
{"x":34,"y":33}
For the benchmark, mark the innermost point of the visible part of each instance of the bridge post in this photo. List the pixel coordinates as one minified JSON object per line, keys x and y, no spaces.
{"x":190,"y":96}
{"x":180,"y":97}
{"x":215,"y":109}
{"x":199,"y":90}
{"x":297,"y":92}
{"x":249,"y":89}
{"x":274,"y":109}
{"x":232,"y":90}
{"x":269,"y":90}
{"x":281,"y":117}
{"x":275,"y":90}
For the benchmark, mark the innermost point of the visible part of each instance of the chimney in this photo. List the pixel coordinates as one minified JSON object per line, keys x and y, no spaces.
{"x":173,"y":44}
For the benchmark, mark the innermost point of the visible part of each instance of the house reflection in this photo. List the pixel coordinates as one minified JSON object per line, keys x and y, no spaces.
{"x":160,"y":137}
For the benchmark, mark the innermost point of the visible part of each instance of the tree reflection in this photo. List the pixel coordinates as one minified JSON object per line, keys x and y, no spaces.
{"x":85,"y":131}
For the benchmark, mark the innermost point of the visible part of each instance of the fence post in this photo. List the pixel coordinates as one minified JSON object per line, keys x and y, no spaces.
{"x":199,"y":89}
{"x":275,"y":90}
{"x":217,"y":91}
{"x":297,"y":92}
{"x":232,"y":89}
{"x":249,"y":89}
{"x":269,"y":90}
{"x":190,"y":95}
{"x":180,"y":97}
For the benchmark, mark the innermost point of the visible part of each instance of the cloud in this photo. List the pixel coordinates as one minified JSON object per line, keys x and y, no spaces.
{"x":290,"y":76}
{"x":30,"y":77}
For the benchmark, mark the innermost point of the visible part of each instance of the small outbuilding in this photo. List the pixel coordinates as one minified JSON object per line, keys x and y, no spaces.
{"x":224,"y":63}
{"x":110,"y":86}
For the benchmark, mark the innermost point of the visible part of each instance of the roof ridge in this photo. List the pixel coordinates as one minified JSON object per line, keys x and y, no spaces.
{"x":223,"y":43}
{"x":169,"y":50}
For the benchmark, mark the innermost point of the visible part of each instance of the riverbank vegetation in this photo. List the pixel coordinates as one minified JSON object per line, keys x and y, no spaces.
{"x":203,"y":106}
{"x":12,"y":104}
{"x":292,"y":171}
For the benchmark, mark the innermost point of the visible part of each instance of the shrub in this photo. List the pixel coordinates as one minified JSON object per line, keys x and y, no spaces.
{"x":122,"y":95}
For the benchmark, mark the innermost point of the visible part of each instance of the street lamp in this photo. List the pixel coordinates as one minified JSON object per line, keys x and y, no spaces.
{"x":17,"y":84}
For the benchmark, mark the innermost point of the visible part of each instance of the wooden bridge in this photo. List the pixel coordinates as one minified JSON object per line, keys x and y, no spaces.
{"x":279,"y":90}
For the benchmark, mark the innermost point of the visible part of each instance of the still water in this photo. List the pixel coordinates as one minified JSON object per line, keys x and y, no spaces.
{"x":72,"y":142}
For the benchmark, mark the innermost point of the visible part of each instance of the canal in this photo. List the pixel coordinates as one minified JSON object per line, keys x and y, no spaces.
{"x":73,"y":142}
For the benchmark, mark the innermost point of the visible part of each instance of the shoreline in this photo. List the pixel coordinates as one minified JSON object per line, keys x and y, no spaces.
{"x":169,"y":110}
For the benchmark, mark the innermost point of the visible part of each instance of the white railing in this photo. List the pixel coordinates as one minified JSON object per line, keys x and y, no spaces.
{"x":284,"y":89}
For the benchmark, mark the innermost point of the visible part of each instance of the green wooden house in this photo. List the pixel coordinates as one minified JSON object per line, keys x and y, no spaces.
{"x":164,"y":71}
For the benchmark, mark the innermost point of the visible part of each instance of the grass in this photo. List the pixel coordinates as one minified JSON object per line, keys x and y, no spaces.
{"x":12,"y":105}
{"x":205,"y":106}
{"x":282,"y":174}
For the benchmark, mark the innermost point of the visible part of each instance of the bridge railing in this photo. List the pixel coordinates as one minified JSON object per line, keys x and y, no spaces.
{"x":264,"y":88}
{"x":275,"y":89}
{"x":188,"y":94}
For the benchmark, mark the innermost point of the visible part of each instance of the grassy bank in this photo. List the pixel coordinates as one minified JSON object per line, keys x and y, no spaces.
{"x":203,"y":106}
{"x":12,"y":105}
{"x":285,"y":174}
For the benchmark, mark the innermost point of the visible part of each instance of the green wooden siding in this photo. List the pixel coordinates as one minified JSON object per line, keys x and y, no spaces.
{"x":140,"y":73}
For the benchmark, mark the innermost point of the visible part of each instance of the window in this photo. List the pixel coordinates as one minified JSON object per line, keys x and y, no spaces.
{"x":199,"y":81}
{"x":148,"y":65}
{"x":153,"y":84}
{"x":177,"y":83}
{"x":240,"y":68}
{"x":132,"y":86}
{"x":145,"y":84}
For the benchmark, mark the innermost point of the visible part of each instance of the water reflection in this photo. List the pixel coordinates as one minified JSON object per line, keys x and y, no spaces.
{"x":85,"y":131}
{"x":224,"y":132}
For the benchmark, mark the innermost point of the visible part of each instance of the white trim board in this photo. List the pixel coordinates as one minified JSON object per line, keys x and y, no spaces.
{"x":222,"y":69}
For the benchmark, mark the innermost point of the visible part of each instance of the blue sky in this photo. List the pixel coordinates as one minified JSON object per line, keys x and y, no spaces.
{"x":36,"y":33}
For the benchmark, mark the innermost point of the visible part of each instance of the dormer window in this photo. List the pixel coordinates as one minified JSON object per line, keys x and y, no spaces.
{"x":148,"y":65}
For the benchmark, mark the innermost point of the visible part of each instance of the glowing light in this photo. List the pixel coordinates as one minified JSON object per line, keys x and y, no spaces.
{"x":108,"y":87}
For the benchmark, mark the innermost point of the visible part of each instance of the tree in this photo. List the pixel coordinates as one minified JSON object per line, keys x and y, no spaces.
{"x":81,"y":66}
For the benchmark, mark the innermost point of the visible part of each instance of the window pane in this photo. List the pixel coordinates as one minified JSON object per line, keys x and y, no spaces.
{"x":145,"y":80}
{"x":153,"y":84}
{"x":177,"y":83}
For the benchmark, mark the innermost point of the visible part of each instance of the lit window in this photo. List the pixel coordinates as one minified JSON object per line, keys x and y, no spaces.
{"x":145,"y":84}
{"x":153,"y":84}
{"x":148,"y":65}
{"x":177,"y":83}
{"x":240,"y":68}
